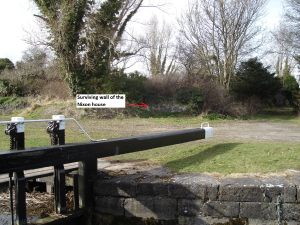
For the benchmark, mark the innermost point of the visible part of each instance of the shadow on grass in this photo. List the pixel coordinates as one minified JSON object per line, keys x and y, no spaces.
{"x":199,"y":158}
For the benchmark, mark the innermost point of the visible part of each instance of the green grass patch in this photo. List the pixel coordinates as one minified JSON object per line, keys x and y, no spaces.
{"x":13,"y":100}
{"x":241,"y":157}
{"x":5,"y":99}
{"x":277,"y":114}
{"x":174,"y":120}
{"x":10,"y":105}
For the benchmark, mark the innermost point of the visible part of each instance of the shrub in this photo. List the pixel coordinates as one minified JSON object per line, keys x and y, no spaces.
{"x":291,"y":90}
{"x":130,"y":84}
{"x":4,"y":87}
{"x":192,"y":97}
{"x":214,"y":116}
{"x":290,"y":83}
{"x":162,"y":87}
{"x":219,"y":101}
{"x":7,"y":88}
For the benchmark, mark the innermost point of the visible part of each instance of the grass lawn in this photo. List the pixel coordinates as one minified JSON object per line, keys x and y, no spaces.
{"x":239,"y":157}
{"x":221,"y":156}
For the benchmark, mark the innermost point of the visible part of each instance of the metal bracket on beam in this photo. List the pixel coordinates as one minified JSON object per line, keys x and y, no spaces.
{"x":208,"y":130}
{"x":15,"y":130}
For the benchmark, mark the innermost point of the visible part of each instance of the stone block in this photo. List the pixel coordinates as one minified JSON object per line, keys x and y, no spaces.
{"x":194,"y":186}
{"x":290,"y":194}
{"x":258,"y":210}
{"x":110,"y":205}
{"x":290,"y":211}
{"x":123,"y":186}
{"x":151,"y":207}
{"x":152,"y":187}
{"x":221,"y":209}
{"x":296,"y":181}
{"x":279,"y":186}
{"x":273,"y":188}
{"x":241,"y":190}
{"x":190,"y":207}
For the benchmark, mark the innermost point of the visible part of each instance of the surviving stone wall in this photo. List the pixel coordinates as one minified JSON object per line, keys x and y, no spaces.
{"x":167,"y":106}
{"x":199,"y":199}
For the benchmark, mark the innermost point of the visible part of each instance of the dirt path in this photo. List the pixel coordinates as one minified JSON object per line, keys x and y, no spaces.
{"x":258,"y":131}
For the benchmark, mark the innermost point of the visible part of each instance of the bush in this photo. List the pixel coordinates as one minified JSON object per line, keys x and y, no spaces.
{"x":4,"y":88}
{"x":214,"y":116}
{"x":162,"y":87}
{"x":192,"y":97}
{"x":291,"y":90}
{"x":8,"y":89}
{"x":130,"y":84}
{"x":219,"y":101}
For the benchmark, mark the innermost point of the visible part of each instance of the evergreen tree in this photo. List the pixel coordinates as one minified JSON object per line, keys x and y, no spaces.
{"x":253,"y":79}
{"x":290,"y":86}
{"x":5,"y":63}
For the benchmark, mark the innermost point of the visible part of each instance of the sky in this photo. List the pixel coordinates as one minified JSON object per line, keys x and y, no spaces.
{"x":16,"y":17}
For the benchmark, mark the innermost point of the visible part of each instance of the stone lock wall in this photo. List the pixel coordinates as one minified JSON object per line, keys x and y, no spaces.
{"x":200,"y":199}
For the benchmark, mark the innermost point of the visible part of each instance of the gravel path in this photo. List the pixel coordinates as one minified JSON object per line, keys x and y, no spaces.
{"x":258,"y":131}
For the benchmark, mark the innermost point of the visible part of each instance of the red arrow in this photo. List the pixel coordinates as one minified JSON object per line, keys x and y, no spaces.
{"x":143,"y":105}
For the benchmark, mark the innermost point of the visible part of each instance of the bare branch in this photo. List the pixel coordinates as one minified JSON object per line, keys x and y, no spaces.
{"x":41,"y":17}
{"x":221,"y":32}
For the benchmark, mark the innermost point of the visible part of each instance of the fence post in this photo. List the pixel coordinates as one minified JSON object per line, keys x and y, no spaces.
{"x":56,"y":129}
{"x":20,"y":198}
{"x":86,"y":169}
{"x":15,"y":130}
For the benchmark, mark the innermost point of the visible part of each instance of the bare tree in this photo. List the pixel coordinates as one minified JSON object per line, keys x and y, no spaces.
{"x":287,"y":39}
{"x":194,"y":67}
{"x":159,"y":49}
{"x":282,"y":50}
{"x":221,"y":32}
{"x":291,"y":36}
